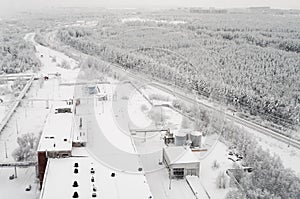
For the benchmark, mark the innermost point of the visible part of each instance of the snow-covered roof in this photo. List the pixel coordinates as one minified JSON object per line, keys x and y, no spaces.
{"x":60,"y":176}
{"x":196,"y":133}
{"x":180,"y":155}
{"x":197,"y":187}
{"x":57,"y":133}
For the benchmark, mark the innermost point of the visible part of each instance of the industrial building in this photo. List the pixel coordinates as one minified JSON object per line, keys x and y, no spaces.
{"x":56,"y":138}
{"x":85,"y":177}
{"x":180,"y":161}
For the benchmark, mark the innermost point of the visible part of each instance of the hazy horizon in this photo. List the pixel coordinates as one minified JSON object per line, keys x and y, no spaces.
{"x":12,"y":6}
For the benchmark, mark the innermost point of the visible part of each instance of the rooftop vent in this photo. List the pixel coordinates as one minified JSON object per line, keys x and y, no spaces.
{"x":94,"y":195}
{"x":65,"y":139}
{"x":94,"y":188}
{"x":92,"y":179}
{"x":140,"y":169}
{"x":92,"y":171}
{"x":75,"y":184}
{"x":113,"y":175}
{"x":75,"y":195}
{"x":76,"y":164}
{"x":75,"y":170}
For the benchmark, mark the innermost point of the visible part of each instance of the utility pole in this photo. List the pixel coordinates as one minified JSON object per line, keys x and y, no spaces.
{"x":17,"y":128}
{"x":16,"y":171}
{"x":80,"y":122}
{"x":5,"y":149}
{"x":47,"y":103}
{"x":170,"y":183}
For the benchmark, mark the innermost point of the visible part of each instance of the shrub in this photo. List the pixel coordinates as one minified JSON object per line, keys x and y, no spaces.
{"x":27,"y":148}
{"x":144,"y":108}
{"x":159,"y":97}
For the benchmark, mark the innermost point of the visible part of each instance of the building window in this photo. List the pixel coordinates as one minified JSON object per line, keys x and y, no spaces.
{"x":178,"y":172}
{"x":191,"y":172}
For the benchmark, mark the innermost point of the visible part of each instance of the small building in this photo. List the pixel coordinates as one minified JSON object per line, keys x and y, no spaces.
{"x":169,"y":138}
{"x":102,"y":97}
{"x":92,"y":89}
{"x":181,"y":161}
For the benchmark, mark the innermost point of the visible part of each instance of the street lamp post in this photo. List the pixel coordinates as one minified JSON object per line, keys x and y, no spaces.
{"x":170,"y":182}
{"x":5,"y":149}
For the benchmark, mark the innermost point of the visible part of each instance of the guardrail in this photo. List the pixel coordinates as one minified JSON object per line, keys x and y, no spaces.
{"x":16,"y":104}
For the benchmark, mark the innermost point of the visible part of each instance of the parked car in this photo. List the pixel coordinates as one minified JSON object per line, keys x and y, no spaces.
{"x":28,"y":188}
{"x":12,"y":177}
{"x":231,"y":159}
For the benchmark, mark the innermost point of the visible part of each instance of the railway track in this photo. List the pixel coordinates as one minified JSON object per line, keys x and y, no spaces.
{"x":187,"y":98}
{"x":191,"y":99}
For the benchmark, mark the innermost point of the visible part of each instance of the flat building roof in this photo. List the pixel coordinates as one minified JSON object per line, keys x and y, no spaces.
{"x":60,"y":177}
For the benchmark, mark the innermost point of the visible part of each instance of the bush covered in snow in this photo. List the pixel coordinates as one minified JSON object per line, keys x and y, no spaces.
{"x":269,"y":178}
{"x":158,"y":116}
{"x":158,"y":97}
{"x":27,"y":148}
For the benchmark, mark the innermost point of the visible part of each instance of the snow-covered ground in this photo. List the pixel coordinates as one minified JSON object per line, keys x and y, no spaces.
{"x":150,"y":90}
{"x":15,"y":189}
{"x":136,"y":103}
{"x":4,"y":107}
{"x":209,"y":175}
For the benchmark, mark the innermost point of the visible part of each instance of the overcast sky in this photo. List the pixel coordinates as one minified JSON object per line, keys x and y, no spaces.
{"x":13,"y":5}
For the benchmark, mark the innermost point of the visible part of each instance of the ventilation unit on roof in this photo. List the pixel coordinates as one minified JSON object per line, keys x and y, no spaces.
{"x":92,"y":179}
{"x":113,"y":175}
{"x":94,"y":195}
{"x":76,"y":164}
{"x":75,"y":195}
{"x":92,"y":171}
{"x":75,"y":170}
{"x":75,"y":184}
{"x":94,"y":188}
